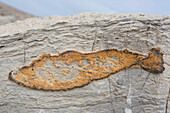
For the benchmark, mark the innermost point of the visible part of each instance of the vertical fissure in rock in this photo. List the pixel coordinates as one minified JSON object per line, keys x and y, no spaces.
{"x":166,"y":107}
{"x":95,"y":37}
{"x":128,"y":100}
{"x":145,"y":81}
{"x":24,"y":53}
{"x":111,"y":96}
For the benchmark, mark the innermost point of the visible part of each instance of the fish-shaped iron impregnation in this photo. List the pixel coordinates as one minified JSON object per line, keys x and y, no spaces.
{"x":73,"y":69}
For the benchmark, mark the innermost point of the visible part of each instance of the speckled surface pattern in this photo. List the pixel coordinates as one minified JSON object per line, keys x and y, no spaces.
{"x":133,"y":90}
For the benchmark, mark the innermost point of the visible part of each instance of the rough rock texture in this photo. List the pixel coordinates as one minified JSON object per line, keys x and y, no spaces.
{"x":133,"y":90}
{"x":9,"y":14}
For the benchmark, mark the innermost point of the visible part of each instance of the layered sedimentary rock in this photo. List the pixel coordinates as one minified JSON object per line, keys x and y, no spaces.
{"x":129,"y":90}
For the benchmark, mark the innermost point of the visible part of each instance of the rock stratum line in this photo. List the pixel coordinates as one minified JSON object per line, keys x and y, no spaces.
{"x":73,"y":69}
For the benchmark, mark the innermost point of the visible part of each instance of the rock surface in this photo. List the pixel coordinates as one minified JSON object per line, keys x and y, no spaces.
{"x":130,"y":91}
{"x":9,"y":14}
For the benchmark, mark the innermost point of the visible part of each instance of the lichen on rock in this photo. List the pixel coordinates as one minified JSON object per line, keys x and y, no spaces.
{"x":73,"y":69}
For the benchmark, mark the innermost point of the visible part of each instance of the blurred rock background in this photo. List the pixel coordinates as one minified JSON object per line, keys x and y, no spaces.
{"x":9,"y":14}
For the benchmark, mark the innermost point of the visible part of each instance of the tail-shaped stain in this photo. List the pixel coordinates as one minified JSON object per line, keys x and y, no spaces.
{"x":73,"y":69}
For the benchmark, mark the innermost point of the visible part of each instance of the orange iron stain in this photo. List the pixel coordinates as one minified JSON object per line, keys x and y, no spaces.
{"x":73,"y":69}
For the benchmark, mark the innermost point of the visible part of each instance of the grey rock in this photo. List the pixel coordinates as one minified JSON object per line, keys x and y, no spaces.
{"x":130,"y":91}
{"x":9,"y":14}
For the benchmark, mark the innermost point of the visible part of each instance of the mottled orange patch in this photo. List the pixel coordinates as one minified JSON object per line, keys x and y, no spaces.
{"x":80,"y":64}
{"x":73,"y":69}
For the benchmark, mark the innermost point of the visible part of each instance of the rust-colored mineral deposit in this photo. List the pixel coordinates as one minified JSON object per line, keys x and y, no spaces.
{"x":73,"y":69}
